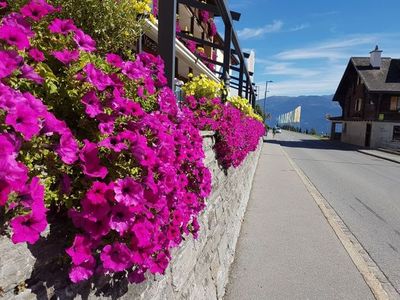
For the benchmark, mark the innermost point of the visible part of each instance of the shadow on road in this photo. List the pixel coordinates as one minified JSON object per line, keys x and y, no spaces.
{"x":313,"y":144}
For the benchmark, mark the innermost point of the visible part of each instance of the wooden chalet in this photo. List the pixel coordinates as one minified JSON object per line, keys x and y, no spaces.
{"x":369,"y":94}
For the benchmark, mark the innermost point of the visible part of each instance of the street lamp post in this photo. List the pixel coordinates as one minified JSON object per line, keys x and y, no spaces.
{"x":266,"y":91}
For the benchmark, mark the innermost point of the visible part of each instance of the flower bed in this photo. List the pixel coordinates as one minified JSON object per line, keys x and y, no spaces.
{"x":102,"y":140}
{"x":237,"y":126}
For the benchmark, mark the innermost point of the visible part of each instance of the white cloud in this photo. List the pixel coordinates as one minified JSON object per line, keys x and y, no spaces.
{"x":353,"y":45}
{"x":288,"y":69}
{"x":248,"y":33}
{"x":317,"y":69}
{"x":299,"y":27}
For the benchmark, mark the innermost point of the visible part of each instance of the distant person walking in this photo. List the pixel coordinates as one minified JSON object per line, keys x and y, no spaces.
{"x":273,"y":132}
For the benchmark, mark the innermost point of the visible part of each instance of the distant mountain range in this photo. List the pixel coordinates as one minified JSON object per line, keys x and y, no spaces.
{"x":314,"y":110}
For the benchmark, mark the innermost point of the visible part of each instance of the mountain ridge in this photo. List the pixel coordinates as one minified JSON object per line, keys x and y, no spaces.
{"x":314,"y":110}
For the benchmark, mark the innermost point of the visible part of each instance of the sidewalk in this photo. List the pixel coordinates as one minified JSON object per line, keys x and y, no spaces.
{"x":384,"y":154}
{"x":286,"y":249}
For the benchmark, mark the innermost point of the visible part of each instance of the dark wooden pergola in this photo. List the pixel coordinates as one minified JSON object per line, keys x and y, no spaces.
{"x":167,"y":37}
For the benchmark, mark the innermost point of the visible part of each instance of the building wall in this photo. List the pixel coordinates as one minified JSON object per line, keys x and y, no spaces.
{"x":354,"y":133}
{"x":199,"y":268}
{"x":381,"y":134}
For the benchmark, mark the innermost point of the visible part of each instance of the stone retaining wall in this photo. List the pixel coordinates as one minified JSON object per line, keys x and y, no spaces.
{"x":199,"y":269}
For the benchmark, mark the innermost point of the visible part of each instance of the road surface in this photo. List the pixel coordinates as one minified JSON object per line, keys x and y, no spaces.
{"x":364,"y":191}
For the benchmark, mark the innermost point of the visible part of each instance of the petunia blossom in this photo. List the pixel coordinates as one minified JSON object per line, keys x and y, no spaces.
{"x":84,"y":41}
{"x":36,"y":55}
{"x":121,"y":216}
{"x":66,"y":56}
{"x":14,"y":36}
{"x":115,"y":60}
{"x":29,"y":73}
{"x":92,"y":104}
{"x":9,"y":62}
{"x":62,"y":26}
{"x":24,"y":121}
{"x":68,"y":149}
{"x":27,"y":228}
{"x":37,"y":9}
{"x":82,"y":271}
{"x":80,"y":251}
{"x":128,"y":191}
{"x":116,"y":257}
{"x":91,"y":162}
{"x":97,"y":78}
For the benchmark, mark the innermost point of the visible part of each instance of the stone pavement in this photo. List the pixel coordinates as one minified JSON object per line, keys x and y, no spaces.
{"x":286,"y":249}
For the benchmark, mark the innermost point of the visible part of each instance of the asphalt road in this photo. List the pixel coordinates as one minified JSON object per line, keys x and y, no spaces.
{"x":364,"y":191}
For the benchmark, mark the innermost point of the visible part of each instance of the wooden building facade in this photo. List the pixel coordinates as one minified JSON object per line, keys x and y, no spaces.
{"x":369,"y":94}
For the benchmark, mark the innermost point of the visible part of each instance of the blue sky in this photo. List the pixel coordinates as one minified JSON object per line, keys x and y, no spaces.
{"x":304,"y":46}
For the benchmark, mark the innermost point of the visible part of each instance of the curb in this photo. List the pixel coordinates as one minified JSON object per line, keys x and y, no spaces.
{"x":376,"y":280}
{"x":379,"y":156}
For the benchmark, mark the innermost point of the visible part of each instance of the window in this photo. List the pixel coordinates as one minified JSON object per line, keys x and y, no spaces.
{"x":358,"y":104}
{"x":395,"y":103}
{"x":396,"y":133}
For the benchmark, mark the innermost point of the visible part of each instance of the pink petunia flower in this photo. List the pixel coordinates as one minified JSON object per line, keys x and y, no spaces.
{"x":53,"y":125}
{"x":29,"y":73}
{"x":115,"y":60}
{"x":66,"y":56}
{"x":143,"y":231}
{"x":68,"y":149}
{"x":128,"y":192}
{"x":5,"y":190}
{"x":91,"y":162}
{"x":62,"y":26}
{"x":121,"y":216}
{"x":137,"y":276}
{"x":106,"y":127}
{"x":32,"y":197}
{"x":82,"y":271}
{"x":14,"y":36}
{"x":97,"y":78}
{"x":100,"y":193}
{"x":27,"y":228}
{"x":92,"y":103}
{"x":18,"y":20}
{"x":9,"y":62}
{"x":80,"y":251}
{"x":3,"y":4}
{"x":159,"y":263}
{"x":24,"y":121}
{"x":36,"y":55}
{"x":95,"y":209}
{"x":116,"y":257}
{"x":114,"y":143}
{"x":37,"y":9}
{"x":84,"y":41}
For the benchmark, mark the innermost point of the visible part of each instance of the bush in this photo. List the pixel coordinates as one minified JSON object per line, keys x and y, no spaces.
{"x":100,"y":138}
{"x":244,"y":106}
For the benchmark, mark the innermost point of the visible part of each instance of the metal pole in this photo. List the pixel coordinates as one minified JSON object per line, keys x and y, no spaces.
{"x":166,"y":37}
{"x":266,"y":91}
{"x":227,"y":54}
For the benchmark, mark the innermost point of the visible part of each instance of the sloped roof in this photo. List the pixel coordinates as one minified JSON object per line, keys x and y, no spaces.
{"x":385,"y":80}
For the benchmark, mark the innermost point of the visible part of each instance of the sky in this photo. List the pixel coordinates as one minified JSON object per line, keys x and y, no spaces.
{"x":304,"y":46}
